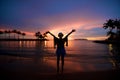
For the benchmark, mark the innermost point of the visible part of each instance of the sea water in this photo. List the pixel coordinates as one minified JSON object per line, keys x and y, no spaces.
{"x":81,"y":55}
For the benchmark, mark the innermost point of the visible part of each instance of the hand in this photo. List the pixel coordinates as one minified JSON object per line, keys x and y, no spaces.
{"x":47,"y":32}
{"x":73,"y":30}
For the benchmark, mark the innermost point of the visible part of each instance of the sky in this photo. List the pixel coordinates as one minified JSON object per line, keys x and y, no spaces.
{"x":86,"y":16}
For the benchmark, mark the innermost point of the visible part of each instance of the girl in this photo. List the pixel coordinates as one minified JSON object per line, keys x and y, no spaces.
{"x":60,"y":51}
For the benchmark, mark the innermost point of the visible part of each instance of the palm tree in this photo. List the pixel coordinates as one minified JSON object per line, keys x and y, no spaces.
{"x":44,"y":35}
{"x":1,"y":32}
{"x":5,"y":32}
{"x":109,"y":24}
{"x":38,"y":35}
{"x":114,"y":28}
{"x":14,"y":31}
{"x":23,"y":34}
{"x":19,"y":33}
{"x":117,"y":24}
{"x":9,"y":32}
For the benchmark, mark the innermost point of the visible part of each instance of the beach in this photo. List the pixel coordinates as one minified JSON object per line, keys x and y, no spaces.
{"x":59,"y":39}
{"x":38,"y":62}
{"x":16,"y":68}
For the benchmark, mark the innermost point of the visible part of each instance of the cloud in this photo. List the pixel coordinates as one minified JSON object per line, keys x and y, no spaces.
{"x":86,"y":16}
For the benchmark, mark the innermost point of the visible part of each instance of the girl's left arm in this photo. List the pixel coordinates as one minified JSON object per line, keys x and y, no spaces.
{"x":70,"y":32}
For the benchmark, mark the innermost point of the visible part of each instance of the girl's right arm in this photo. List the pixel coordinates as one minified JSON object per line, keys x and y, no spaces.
{"x":50,"y":33}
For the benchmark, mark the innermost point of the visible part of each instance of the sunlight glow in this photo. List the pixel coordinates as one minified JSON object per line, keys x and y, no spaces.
{"x":96,"y":38}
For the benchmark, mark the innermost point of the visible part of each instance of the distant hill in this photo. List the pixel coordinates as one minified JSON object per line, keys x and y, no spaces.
{"x":80,"y":39}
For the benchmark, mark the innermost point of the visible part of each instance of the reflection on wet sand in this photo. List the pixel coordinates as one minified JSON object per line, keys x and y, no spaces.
{"x":76,"y":64}
{"x":79,"y":58}
{"x":23,"y":49}
{"x":39,"y":51}
{"x":32,"y":59}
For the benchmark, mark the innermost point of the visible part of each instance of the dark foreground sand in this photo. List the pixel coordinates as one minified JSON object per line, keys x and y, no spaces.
{"x":96,"y":75}
{"x":15,"y":69}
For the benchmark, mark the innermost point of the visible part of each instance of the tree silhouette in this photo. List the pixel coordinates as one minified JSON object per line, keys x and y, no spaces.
{"x":19,"y":33}
{"x":6,"y":32}
{"x":9,"y":32}
{"x":23,"y":34}
{"x":1,"y":32}
{"x":113,"y":26}
{"x":14,"y":31}
{"x":37,"y":34}
{"x":40,"y":36}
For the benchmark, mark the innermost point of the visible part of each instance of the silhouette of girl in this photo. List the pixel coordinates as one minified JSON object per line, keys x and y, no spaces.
{"x":60,"y":51}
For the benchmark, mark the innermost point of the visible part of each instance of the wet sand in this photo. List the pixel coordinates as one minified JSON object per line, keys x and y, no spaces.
{"x":30,"y":68}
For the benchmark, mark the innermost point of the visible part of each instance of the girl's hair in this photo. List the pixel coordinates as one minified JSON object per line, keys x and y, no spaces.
{"x":60,"y":34}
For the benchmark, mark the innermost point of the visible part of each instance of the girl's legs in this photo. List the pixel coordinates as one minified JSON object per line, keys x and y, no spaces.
{"x":58,"y":61}
{"x":62,"y":59}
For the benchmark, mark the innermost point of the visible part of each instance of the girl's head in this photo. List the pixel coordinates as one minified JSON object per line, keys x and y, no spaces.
{"x":60,"y":35}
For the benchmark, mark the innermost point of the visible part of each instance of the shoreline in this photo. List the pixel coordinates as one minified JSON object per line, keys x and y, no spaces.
{"x":106,"y":42}
{"x":23,"y":39}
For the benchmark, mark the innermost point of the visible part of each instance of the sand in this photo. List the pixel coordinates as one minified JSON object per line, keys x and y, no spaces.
{"x":22,"y":68}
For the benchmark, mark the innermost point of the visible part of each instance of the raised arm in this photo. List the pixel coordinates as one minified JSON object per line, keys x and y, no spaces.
{"x":50,"y":33}
{"x":70,"y":32}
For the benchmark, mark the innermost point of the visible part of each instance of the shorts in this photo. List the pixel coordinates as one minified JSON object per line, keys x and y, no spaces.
{"x":60,"y":51}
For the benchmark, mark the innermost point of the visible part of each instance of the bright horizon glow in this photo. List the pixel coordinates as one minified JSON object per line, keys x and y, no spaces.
{"x":31,"y":35}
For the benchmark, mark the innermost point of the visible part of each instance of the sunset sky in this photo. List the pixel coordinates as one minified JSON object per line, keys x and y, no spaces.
{"x":86,"y":16}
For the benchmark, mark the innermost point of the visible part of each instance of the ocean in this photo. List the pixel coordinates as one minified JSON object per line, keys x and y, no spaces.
{"x":81,"y":55}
